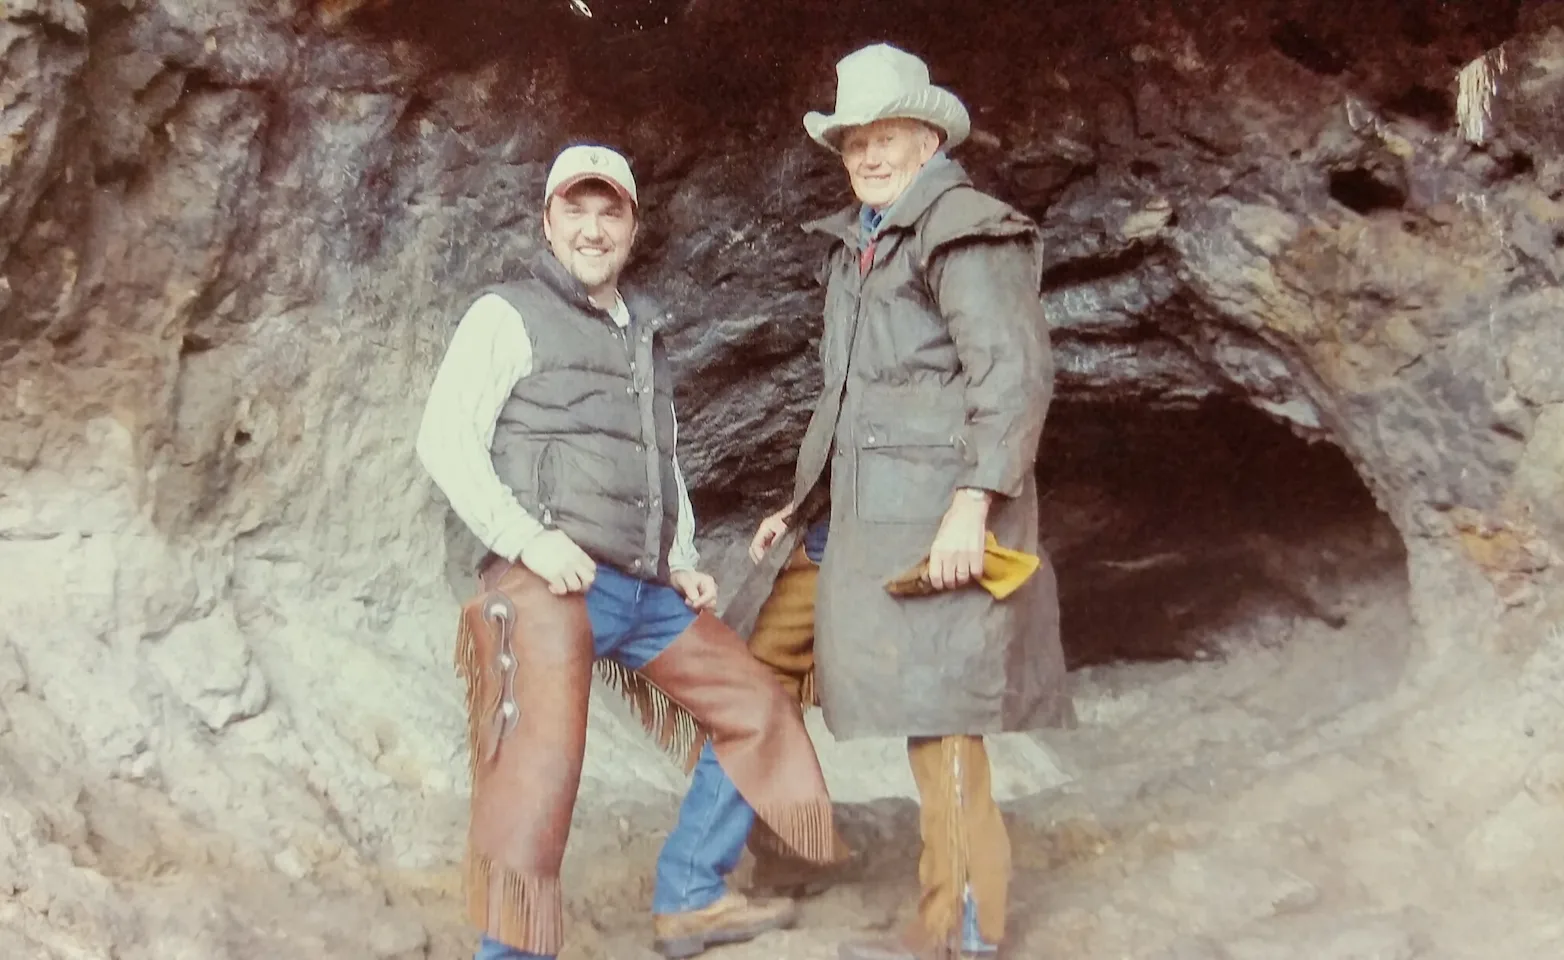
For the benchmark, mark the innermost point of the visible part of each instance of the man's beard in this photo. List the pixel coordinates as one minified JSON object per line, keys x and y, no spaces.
{"x":593,"y":272}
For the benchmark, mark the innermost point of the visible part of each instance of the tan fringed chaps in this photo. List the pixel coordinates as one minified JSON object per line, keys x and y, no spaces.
{"x":965,"y":844}
{"x":526,"y":656}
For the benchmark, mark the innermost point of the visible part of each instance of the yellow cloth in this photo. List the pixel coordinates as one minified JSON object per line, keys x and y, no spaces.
{"x":1004,"y":570}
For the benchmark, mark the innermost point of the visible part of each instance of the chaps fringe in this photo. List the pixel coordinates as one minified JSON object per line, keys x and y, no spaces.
{"x":472,"y":673}
{"x":531,"y":913}
{"x":670,"y":725}
{"x":802,"y":830}
{"x":947,"y":921}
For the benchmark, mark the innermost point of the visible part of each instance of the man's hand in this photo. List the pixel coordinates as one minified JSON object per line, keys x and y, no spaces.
{"x":956,"y":557}
{"x":770,"y":528}
{"x":555,"y":557}
{"x":699,"y":589}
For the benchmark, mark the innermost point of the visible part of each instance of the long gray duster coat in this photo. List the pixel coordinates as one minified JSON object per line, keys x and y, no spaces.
{"x":938,"y":374}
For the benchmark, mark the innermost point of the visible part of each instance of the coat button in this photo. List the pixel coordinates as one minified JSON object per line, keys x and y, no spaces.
{"x":636,"y":564}
{"x":640,"y":501}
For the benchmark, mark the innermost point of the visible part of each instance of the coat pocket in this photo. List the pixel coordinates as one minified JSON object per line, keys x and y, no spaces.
{"x":906,"y":474}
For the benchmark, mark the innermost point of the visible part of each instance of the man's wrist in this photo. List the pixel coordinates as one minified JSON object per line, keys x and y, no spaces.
{"x":513,"y":544}
{"x":976,"y":495}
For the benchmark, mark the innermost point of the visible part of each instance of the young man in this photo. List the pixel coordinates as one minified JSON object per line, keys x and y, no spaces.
{"x":550,"y":429}
{"x":938,"y":375}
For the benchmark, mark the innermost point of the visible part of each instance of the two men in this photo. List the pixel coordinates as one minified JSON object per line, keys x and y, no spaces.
{"x":550,"y":429}
{"x":938,"y":375}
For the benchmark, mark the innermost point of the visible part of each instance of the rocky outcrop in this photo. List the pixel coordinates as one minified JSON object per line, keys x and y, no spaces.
{"x":235,"y":236}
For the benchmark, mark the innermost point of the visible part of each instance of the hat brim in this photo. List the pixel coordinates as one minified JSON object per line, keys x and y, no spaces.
{"x":581,"y":178}
{"x":935,"y":106}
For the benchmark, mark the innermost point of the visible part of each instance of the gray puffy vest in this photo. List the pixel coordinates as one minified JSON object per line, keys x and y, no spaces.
{"x":586,"y":440}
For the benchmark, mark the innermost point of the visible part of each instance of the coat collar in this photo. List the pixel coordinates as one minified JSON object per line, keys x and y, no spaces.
{"x":933,"y":182}
{"x":546,"y":268}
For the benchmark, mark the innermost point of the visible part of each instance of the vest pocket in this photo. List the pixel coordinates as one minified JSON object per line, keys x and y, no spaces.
{"x":544,"y":476}
{"x":905,"y":474}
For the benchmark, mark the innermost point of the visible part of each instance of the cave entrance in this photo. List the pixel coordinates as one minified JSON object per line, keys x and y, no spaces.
{"x":1182,"y":534}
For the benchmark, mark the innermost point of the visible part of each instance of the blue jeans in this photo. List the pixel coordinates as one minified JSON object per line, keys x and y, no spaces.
{"x":971,"y":940}
{"x":633,"y":621}
{"x":814,"y":540}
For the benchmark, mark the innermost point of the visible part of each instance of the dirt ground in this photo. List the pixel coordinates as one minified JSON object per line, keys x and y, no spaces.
{"x":1386,"y":789}
{"x":1275,"y":759}
{"x":1291,"y":795}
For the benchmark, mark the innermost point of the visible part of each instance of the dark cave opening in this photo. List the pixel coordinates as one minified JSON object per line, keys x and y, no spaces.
{"x":1365,"y":190}
{"x":1306,"y":47}
{"x":1171,"y":528}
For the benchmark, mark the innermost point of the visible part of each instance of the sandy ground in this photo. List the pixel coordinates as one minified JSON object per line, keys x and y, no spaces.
{"x":1294,"y":796}
{"x":1302,"y":792}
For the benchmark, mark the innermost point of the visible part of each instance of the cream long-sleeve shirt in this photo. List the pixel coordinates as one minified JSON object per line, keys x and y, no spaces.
{"x":489,"y":353}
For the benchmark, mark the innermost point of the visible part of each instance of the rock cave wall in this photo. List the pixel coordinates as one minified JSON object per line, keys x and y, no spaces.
{"x":235,"y":236}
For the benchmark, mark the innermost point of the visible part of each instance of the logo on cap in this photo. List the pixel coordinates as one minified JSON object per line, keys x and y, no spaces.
{"x":591,"y":162}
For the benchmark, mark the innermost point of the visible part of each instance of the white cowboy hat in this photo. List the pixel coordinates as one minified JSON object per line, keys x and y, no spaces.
{"x":879,"y":82}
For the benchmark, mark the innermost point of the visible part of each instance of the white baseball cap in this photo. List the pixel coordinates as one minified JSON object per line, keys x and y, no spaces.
{"x":590,"y":162}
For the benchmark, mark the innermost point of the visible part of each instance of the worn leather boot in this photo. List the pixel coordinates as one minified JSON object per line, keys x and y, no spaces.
{"x":734,"y":918}
{"x":776,"y":874}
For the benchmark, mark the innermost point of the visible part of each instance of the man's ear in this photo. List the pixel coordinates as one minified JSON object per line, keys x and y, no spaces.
{"x":931,"y":142}
{"x":548,"y":229}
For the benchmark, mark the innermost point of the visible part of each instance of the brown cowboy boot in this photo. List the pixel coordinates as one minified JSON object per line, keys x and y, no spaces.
{"x":734,"y":918}
{"x":777,"y":875}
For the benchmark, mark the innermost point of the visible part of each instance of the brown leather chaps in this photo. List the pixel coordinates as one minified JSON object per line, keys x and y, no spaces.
{"x":527,"y":659}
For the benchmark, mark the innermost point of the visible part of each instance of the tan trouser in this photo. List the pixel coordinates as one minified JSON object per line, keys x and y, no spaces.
{"x":784,"y":635}
{"x":965,"y":845}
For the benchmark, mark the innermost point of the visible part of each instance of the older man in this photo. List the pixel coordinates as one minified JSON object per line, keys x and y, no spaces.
{"x":938,"y":375}
{"x":550,"y":429}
